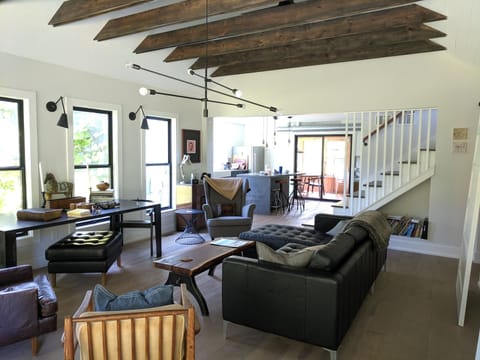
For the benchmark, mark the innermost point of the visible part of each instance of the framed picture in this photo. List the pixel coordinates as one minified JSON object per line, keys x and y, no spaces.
{"x":191,"y":144}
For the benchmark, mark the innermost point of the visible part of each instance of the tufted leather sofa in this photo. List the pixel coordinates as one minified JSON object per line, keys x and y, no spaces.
{"x":28,"y":306}
{"x":302,"y":303}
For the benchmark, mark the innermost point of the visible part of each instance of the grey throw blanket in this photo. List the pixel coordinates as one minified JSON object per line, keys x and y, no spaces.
{"x":376,"y":224}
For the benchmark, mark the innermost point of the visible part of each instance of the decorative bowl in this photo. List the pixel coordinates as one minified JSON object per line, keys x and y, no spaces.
{"x":103,"y":186}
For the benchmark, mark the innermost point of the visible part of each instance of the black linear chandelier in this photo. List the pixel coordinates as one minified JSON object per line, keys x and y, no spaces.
{"x":234,"y":93}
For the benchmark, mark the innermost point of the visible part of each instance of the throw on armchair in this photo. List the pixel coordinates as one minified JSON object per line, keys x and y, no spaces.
{"x":226,"y":213}
{"x":28,"y":306}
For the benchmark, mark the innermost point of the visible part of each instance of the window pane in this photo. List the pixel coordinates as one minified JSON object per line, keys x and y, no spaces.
{"x":11,"y":191}
{"x":9,"y":134}
{"x":158,"y":184}
{"x":90,"y":138}
{"x":156,"y":142}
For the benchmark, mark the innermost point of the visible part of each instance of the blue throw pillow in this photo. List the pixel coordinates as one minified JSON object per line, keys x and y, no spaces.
{"x":105,"y":300}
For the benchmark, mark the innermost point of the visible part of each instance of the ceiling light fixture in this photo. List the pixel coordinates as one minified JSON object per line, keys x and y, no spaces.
{"x":236,"y":92}
{"x":154,"y":92}
{"x":144,"y":92}
{"x":133,"y":115}
{"x":52,"y":107}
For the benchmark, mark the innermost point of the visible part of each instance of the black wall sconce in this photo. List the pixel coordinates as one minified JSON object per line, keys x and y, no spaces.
{"x":52,"y":107}
{"x":133,"y":115}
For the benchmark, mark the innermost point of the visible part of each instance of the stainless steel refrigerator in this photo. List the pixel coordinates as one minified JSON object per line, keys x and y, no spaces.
{"x":250,"y":158}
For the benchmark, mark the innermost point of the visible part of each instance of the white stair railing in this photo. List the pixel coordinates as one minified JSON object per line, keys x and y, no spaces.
{"x":394,"y":151}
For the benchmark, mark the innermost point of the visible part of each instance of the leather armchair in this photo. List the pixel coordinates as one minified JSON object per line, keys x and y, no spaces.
{"x":28,"y":306}
{"x":224,"y":216}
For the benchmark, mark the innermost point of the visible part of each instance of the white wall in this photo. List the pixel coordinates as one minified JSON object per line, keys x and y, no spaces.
{"x":49,"y":82}
{"x":423,"y":80}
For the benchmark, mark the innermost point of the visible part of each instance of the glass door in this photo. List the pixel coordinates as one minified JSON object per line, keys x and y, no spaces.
{"x":322,"y":160}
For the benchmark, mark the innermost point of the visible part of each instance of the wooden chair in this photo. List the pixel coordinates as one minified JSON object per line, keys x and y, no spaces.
{"x":166,"y":332}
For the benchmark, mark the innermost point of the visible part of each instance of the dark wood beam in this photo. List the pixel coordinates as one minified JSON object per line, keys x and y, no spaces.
{"x":180,"y":12}
{"x":266,"y":19}
{"x":333,"y":56}
{"x":341,"y":44}
{"x":74,"y":10}
{"x":410,"y":15}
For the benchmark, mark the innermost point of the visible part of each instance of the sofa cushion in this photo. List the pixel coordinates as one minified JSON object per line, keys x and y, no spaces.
{"x":338,"y":228}
{"x":331,"y":255}
{"x":285,"y":255}
{"x":105,"y":300}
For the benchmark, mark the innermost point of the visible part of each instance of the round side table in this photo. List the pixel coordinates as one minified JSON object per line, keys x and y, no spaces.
{"x":190,"y":235}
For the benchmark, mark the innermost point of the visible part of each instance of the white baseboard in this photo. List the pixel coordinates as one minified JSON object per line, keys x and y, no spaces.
{"x":423,"y":247}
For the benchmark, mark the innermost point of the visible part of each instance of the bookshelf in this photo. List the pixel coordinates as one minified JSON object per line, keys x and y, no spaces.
{"x":408,"y":226}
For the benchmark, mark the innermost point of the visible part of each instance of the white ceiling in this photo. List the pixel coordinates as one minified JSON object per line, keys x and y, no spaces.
{"x":25,"y":32}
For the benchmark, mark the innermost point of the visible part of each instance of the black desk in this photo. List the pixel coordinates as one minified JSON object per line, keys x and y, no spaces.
{"x":10,"y":226}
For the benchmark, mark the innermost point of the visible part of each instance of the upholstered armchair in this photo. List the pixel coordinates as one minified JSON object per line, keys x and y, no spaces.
{"x":162,"y":332}
{"x":28,"y":306}
{"x":226,"y":211}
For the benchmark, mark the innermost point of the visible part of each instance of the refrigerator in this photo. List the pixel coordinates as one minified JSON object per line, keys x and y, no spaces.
{"x":251,"y":158}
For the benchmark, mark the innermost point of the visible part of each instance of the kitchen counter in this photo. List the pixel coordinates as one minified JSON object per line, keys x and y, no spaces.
{"x":261,"y":187}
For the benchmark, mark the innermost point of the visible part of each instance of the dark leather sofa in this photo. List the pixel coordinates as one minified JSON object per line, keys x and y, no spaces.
{"x":303,"y":303}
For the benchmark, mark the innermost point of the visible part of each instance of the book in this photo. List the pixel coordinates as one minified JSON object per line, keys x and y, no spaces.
{"x":78,"y":213}
{"x":39,"y":214}
{"x":229,"y":242}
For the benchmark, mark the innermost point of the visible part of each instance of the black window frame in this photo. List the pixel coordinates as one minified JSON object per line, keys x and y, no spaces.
{"x":21,"y":133}
{"x":170,"y":162}
{"x":110,"y":141}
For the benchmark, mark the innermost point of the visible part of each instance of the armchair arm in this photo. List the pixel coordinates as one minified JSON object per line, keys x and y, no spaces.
{"x":208,"y":211}
{"x":247,"y":210}
{"x":16,"y":274}
{"x":18,"y":309}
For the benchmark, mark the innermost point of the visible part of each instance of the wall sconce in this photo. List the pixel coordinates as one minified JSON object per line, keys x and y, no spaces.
{"x":52,"y":107}
{"x":133,"y":115}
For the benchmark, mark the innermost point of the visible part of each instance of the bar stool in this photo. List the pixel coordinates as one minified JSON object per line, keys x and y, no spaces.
{"x":296,"y":195}
{"x":283,"y":194}
{"x":276,"y":203}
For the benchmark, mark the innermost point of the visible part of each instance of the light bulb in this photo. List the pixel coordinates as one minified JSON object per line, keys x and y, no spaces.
{"x":132,"y":66}
{"x":237,"y":92}
{"x":143,"y":91}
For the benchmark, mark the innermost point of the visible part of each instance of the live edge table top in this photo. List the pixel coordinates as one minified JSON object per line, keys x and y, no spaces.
{"x":193,"y":261}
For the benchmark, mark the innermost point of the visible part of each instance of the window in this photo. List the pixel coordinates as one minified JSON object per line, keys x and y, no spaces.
{"x":92,"y":148}
{"x":158,"y":160}
{"x":12,"y":158}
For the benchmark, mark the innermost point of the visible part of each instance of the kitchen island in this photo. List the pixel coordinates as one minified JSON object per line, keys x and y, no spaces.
{"x":261,"y":187}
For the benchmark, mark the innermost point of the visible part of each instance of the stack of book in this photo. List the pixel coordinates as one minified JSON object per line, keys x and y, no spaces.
{"x":409,"y":226}
{"x":101,"y":196}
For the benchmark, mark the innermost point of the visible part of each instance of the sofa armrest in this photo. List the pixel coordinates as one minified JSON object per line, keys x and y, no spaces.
{"x":325,"y":222}
{"x":16,"y":274}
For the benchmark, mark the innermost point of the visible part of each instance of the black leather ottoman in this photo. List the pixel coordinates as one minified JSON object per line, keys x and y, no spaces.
{"x":83,"y":252}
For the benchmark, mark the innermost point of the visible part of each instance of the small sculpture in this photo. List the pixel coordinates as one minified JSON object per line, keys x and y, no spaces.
{"x":52,"y":186}
{"x":102,"y":186}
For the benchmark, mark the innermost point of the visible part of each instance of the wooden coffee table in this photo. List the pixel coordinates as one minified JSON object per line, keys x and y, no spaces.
{"x":184,"y":265}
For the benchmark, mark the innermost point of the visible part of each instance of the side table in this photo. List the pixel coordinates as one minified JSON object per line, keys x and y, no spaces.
{"x":190,"y":235}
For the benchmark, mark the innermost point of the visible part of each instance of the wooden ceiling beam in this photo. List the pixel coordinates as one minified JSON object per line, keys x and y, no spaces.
{"x":266,"y":19}
{"x":74,"y":10}
{"x":180,"y":12}
{"x":409,"y":15}
{"x":331,"y":57}
{"x":341,"y":44}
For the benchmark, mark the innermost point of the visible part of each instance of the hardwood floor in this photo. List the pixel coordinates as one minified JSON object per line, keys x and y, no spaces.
{"x":410,"y":315}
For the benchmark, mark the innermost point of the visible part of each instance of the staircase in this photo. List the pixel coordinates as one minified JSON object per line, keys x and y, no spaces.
{"x":394,"y":151}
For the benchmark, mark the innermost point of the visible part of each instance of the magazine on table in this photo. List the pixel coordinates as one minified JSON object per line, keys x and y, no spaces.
{"x":228,"y":242}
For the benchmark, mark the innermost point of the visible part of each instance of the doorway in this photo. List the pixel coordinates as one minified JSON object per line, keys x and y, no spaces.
{"x":323,"y":160}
